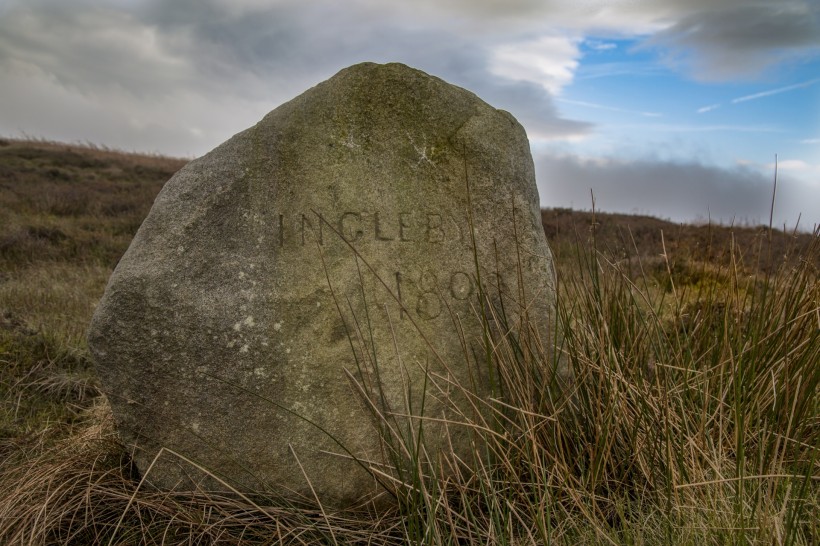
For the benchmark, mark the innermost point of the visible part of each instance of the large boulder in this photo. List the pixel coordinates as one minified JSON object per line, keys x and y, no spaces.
{"x":301,"y":286}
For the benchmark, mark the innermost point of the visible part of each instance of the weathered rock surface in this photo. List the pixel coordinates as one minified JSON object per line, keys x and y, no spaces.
{"x":330,"y":243}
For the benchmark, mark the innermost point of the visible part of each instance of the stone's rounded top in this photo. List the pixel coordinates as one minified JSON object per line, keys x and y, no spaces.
{"x":333,"y":243}
{"x":375,"y":75}
{"x":388,"y":125}
{"x":393,"y":93}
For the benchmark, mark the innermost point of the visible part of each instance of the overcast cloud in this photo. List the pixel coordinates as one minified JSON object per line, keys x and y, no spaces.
{"x":179,"y":77}
{"x":730,"y":39}
{"x":740,"y":196}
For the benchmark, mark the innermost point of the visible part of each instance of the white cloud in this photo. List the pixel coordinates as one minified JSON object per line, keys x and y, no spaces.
{"x":526,"y":17}
{"x":548,"y":61}
{"x":35,"y":103}
{"x":794,"y":165}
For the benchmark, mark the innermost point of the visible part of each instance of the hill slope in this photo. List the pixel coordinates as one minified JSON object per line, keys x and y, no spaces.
{"x":692,"y":416}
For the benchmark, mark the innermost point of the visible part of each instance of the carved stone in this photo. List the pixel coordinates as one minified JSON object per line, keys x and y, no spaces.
{"x":328,"y":249}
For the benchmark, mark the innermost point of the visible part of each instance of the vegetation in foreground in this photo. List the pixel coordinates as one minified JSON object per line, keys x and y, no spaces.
{"x":693,"y":417}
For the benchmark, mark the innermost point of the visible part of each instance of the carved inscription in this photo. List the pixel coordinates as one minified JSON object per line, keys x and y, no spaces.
{"x":424,"y":293}
{"x":350,"y":226}
{"x":308,"y":226}
{"x":423,"y":227}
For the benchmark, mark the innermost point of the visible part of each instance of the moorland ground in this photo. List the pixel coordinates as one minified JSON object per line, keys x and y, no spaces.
{"x":693,"y":416}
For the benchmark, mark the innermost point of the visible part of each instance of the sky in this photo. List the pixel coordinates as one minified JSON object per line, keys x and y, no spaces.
{"x":672,"y":108}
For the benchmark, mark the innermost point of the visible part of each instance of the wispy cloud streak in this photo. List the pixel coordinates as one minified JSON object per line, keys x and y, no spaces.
{"x":761,"y":95}
{"x":708,"y":108}
{"x":776,"y":91}
{"x":685,"y":128}
{"x":597,"y":106}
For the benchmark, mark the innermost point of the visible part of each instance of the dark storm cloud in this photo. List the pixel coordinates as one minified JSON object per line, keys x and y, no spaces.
{"x":726,"y":40}
{"x":679,"y":191}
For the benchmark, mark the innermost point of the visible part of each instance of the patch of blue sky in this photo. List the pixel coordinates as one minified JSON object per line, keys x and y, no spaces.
{"x":642,"y":107}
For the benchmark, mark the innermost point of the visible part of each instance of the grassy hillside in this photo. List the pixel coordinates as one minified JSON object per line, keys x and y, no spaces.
{"x":693,"y":417}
